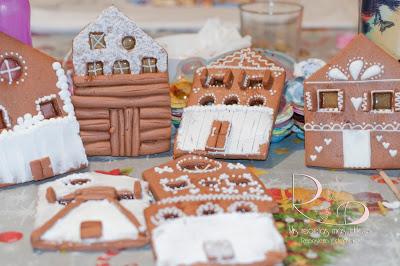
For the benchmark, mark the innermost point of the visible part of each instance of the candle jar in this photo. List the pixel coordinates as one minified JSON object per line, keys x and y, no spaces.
{"x":15,"y":19}
{"x":380,"y":21}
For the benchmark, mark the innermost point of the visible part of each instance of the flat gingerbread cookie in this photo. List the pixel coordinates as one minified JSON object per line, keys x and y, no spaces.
{"x":232,"y":108}
{"x":39,"y":133}
{"x":122,"y":93}
{"x":91,"y":211}
{"x":352,"y":110}
{"x":196,"y":177}
{"x":215,"y":233}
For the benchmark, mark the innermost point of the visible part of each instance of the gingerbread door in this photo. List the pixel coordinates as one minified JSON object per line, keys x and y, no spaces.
{"x":357,"y":148}
{"x":125,"y":133}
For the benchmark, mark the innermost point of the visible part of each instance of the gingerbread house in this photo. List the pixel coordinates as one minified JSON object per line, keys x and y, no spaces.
{"x":91,"y":211}
{"x":215,"y":232}
{"x":39,"y":133}
{"x":122,"y":94}
{"x":232,"y":108}
{"x":352,"y":110}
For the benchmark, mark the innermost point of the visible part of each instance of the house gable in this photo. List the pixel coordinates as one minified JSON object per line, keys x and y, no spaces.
{"x":36,"y":78}
{"x":116,"y":38}
{"x":361,"y":60}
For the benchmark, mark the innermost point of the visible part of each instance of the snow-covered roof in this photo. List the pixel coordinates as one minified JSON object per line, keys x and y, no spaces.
{"x":115,"y":26}
{"x":250,"y":128}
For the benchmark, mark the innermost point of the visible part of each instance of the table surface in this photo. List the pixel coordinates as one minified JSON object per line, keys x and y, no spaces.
{"x":379,"y":246}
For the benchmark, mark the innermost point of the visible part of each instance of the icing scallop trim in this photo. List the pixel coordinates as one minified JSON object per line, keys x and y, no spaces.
{"x":62,"y":84}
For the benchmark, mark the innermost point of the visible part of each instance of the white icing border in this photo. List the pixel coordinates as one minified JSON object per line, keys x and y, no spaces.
{"x":395,"y":126}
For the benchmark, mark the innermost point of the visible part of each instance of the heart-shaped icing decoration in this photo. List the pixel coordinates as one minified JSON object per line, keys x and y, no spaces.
{"x":313,"y":157}
{"x":356,"y":101}
{"x":355,"y":68}
{"x":393,"y":153}
{"x":328,"y":141}
{"x":318,"y":148}
{"x":379,"y":138}
{"x":386,"y":145}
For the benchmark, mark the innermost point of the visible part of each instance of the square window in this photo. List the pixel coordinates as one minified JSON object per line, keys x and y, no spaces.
{"x":95,"y":68}
{"x":49,"y":109}
{"x":328,"y":100}
{"x":217,"y":81}
{"x":149,"y":65}
{"x":97,"y":40}
{"x":3,"y":124}
{"x":255,"y":83}
{"x":382,"y":100}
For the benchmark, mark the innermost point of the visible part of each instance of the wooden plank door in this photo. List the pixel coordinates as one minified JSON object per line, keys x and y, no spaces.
{"x":124,"y":132}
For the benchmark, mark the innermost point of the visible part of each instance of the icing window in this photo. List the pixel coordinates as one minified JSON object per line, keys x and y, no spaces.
{"x":10,"y":70}
{"x":3,"y":124}
{"x":256,"y":101}
{"x":91,"y":229}
{"x":121,"y":67}
{"x":198,"y":165}
{"x":223,"y":79}
{"x":95,"y":68}
{"x":231,"y":100}
{"x":207,"y":100}
{"x":218,"y":135}
{"x":255,"y":81}
{"x":49,"y":109}
{"x":219,"y":251}
{"x":382,"y":101}
{"x":129,"y":42}
{"x":97,"y":40}
{"x":149,"y":65}
{"x":328,"y":100}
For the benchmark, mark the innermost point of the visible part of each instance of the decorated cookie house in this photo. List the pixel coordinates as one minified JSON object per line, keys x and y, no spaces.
{"x":121,"y":88}
{"x":39,"y":133}
{"x":232,"y":108}
{"x":91,"y":211}
{"x":352,"y":116}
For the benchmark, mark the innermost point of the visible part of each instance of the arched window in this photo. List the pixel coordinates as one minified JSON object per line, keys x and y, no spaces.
{"x":121,"y":67}
{"x":149,"y":65}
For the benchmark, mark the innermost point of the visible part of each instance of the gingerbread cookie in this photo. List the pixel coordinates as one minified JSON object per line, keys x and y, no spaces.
{"x":215,"y":233}
{"x":352,"y":110}
{"x":91,"y":211}
{"x":39,"y":133}
{"x":232,"y":108}
{"x":194,"y":176}
{"x":122,"y":93}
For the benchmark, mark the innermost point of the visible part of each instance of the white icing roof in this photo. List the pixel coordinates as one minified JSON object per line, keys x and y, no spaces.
{"x":250,"y":237}
{"x":62,"y":187}
{"x":250,"y":127}
{"x":116,"y":26}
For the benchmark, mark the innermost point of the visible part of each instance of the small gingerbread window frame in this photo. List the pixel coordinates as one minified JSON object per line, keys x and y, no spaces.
{"x":46,"y":100}
{"x":383,"y":111}
{"x":340,"y":101}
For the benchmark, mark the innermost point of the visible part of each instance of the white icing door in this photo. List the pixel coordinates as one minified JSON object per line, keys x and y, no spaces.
{"x":357,"y":148}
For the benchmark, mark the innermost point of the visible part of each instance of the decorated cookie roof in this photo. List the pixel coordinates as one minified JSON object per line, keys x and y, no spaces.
{"x":193,"y":177}
{"x":29,"y":82}
{"x":220,"y":239}
{"x":362,"y":61}
{"x":113,"y":37}
{"x":71,"y":208}
{"x":247,"y":59}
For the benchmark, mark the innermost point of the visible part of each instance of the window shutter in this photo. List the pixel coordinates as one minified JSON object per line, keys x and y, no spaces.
{"x":242,"y":80}
{"x":228,"y":79}
{"x":366,"y":102}
{"x":223,"y":135}
{"x":204,"y":77}
{"x":311,"y":101}
{"x":397,"y":101}
{"x":266,"y":78}
{"x":213,"y":137}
